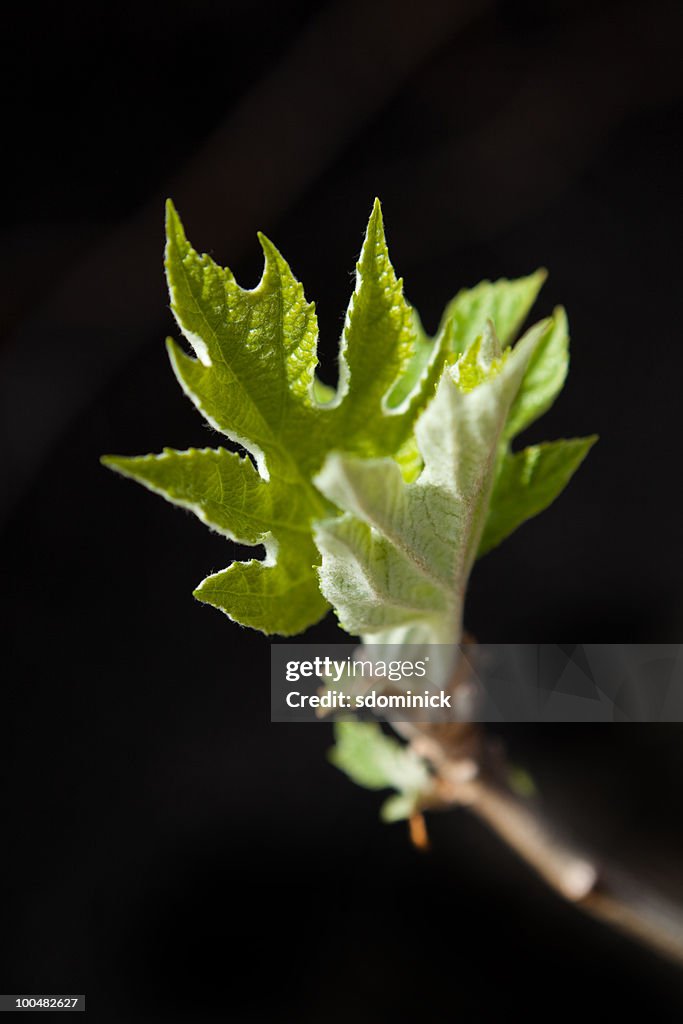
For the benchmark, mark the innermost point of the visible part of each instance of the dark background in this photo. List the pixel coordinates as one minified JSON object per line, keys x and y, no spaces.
{"x":165,"y":849}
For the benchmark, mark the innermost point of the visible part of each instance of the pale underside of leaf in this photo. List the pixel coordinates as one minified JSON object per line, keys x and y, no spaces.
{"x":402,"y":554}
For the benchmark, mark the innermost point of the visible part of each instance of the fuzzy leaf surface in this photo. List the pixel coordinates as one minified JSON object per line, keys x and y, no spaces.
{"x":252,"y":376}
{"x":395,"y":566}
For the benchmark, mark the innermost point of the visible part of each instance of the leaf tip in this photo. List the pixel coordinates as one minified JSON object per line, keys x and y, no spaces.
{"x":174,"y":225}
{"x":559,"y":317}
{"x":270,"y":250}
{"x":200,"y":594}
{"x":114,"y":462}
{"x":374,"y":236}
{"x":130,"y":466}
{"x":376,"y":217}
{"x":175,"y":352}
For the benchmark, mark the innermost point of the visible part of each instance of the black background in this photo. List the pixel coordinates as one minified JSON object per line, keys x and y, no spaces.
{"x":165,"y":849}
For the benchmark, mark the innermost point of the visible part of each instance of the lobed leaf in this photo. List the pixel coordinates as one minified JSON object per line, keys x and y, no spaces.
{"x":418,"y":501}
{"x":252,"y":376}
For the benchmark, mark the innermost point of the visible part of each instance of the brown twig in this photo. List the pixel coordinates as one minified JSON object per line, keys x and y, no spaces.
{"x":469,"y":771}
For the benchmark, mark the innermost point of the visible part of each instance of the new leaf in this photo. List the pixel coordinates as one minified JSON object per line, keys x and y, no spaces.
{"x":377,"y":761}
{"x":395,"y":566}
{"x":527,"y":482}
{"x":253,"y":379}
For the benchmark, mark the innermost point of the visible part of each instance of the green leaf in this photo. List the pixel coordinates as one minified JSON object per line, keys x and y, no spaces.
{"x":387,"y":567}
{"x":226,"y":492}
{"x":505,"y":303}
{"x":423,"y":353}
{"x":399,"y":807}
{"x":395,"y":566}
{"x":528,"y":482}
{"x":253,"y":379}
{"x":544,"y":378}
{"x":374,"y":760}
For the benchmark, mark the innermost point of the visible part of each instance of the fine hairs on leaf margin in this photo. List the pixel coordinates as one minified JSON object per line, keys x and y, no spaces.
{"x":252,"y":376}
